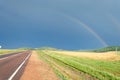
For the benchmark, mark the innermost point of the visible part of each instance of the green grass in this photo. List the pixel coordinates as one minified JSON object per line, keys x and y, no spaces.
{"x":102,"y":70}
{"x":45,"y":58}
{"x":60,"y":75}
{"x":85,"y":68}
{"x":108,"y":66}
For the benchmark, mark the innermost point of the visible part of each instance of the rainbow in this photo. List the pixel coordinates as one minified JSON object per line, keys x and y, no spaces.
{"x":88,"y":28}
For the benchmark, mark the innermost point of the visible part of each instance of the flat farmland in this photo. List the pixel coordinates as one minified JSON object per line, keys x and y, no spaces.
{"x":6,"y":51}
{"x":74,"y":65}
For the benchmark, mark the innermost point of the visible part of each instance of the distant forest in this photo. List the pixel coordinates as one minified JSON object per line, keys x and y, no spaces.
{"x":110,"y":48}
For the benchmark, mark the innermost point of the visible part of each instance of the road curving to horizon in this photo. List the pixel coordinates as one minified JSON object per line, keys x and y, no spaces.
{"x":12,"y":65}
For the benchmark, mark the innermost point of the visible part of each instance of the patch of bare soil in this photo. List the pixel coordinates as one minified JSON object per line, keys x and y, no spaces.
{"x":37,"y":69}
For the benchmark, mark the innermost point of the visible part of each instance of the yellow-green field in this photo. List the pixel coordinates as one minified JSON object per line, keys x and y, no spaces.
{"x":71,"y":65}
{"x":6,"y":51}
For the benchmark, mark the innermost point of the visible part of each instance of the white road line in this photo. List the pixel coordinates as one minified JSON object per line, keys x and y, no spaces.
{"x":10,"y":56}
{"x":12,"y":76}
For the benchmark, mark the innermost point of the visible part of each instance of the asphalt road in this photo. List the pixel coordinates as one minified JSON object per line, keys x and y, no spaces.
{"x":12,"y":65}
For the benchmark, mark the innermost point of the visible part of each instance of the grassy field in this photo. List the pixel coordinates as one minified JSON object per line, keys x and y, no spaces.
{"x":69,"y":65}
{"x":5,"y":51}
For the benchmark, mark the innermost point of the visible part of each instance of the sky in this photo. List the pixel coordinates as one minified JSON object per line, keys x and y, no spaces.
{"x":64,"y":24}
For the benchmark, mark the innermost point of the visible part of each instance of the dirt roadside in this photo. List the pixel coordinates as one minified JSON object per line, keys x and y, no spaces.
{"x":37,"y":69}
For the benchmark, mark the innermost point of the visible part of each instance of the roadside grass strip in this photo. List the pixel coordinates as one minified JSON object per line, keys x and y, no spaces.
{"x":56,"y":70}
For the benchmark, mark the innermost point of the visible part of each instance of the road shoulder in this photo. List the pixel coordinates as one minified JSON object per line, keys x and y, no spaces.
{"x":37,"y":69}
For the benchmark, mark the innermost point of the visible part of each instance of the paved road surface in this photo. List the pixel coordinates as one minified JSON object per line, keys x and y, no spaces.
{"x":12,"y":65}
